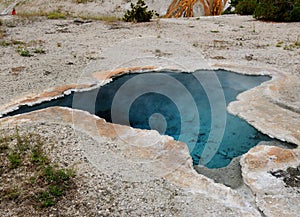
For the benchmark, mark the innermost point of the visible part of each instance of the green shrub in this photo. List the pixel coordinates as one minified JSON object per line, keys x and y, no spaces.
{"x":295,"y":13}
{"x":24,"y":52}
{"x":278,"y":10}
{"x":234,"y":3}
{"x":139,"y":13}
{"x":246,"y":7}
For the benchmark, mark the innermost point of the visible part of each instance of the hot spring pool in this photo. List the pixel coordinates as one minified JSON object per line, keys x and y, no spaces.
{"x":191,"y":107}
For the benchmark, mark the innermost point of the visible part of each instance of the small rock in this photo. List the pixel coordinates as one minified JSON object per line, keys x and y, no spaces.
{"x":81,"y":21}
{"x":47,"y":72}
{"x":249,"y":57}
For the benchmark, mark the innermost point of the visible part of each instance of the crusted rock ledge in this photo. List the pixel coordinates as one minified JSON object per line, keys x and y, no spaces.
{"x":273,"y":197}
{"x":140,"y":155}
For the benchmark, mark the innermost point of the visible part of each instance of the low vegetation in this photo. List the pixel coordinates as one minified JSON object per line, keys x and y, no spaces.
{"x":1,"y":30}
{"x":24,"y":52}
{"x":1,"y":33}
{"x":139,"y":13}
{"x":39,"y":51}
{"x":25,"y":49}
{"x":82,"y":1}
{"x":56,"y":15}
{"x":12,"y":42}
{"x":246,"y":7}
{"x":280,"y":10}
{"x":289,"y":46}
{"x":27,"y":174}
{"x":100,"y":18}
{"x":269,"y":10}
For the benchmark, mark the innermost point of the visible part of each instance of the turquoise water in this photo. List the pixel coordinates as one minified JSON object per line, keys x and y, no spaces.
{"x":191,"y":107}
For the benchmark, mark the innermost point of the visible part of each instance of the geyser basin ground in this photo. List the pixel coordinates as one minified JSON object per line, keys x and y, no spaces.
{"x":191,"y":107}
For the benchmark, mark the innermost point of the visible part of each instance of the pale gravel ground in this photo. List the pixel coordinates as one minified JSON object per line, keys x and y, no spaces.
{"x":237,"y":39}
{"x":94,"y":8}
{"x":87,"y":43}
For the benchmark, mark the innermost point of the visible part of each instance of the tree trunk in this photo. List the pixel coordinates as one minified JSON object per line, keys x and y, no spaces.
{"x":184,"y":8}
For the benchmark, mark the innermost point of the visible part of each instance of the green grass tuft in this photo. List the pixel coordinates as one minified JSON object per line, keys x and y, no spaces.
{"x":15,"y":160}
{"x":24,"y":52}
{"x":39,"y":51}
{"x":41,"y":181}
{"x":55,"y":15}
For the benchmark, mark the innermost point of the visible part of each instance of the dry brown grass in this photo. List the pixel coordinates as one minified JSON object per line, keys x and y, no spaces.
{"x":100,"y":18}
{"x":64,"y":15}
{"x":50,"y":15}
{"x":1,"y":30}
{"x":1,"y":33}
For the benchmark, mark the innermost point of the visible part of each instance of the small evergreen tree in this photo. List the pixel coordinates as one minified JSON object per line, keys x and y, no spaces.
{"x":234,"y":3}
{"x":139,"y":13}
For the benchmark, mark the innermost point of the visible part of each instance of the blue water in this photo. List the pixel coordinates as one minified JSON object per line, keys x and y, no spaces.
{"x":190,"y":107}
